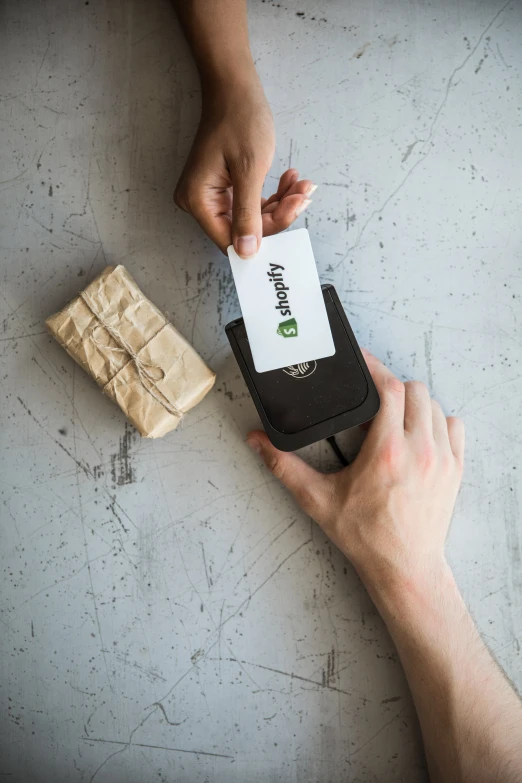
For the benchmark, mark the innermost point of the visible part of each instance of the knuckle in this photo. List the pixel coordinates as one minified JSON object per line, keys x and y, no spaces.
{"x":390,"y":455}
{"x":394,"y":385}
{"x":427,"y":456}
{"x":448,"y":462}
{"x":276,"y":467}
{"x":179,"y":200}
{"x":187,"y":197}
{"x":182,"y":198}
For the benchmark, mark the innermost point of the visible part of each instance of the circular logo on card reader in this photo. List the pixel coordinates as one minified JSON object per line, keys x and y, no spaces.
{"x":301,"y":370}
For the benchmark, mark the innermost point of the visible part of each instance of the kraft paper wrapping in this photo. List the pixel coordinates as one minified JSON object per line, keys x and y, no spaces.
{"x":138,"y":358}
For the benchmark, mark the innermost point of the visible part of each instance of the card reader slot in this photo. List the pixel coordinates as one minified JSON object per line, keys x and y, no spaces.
{"x":307,"y":395}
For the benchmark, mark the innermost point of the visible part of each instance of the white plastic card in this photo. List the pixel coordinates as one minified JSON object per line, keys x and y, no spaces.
{"x":282,"y":302}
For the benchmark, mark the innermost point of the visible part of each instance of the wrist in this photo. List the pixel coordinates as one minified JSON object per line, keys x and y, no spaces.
{"x":225,"y":81}
{"x":409,"y":591}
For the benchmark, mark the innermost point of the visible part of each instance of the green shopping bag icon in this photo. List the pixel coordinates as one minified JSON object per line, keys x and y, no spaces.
{"x":288,"y":328}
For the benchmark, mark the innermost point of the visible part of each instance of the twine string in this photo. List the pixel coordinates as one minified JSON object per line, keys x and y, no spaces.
{"x":148,"y":381}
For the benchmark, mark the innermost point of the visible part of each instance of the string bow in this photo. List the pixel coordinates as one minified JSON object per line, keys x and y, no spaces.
{"x":144,"y":369}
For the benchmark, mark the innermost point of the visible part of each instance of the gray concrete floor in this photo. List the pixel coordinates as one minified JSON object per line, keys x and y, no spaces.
{"x":167,"y":612}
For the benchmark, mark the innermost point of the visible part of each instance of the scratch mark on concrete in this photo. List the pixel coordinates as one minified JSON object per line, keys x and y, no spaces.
{"x":112,"y":509}
{"x":409,"y":150}
{"x":95,"y":710}
{"x":150,"y":673}
{"x":428,"y":343}
{"x":55,"y":584}
{"x":290,"y":153}
{"x":154,"y":747}
{"x":358,"y":750}
{"x":162,"y":708}
{"x":502,"y":57}
{"x":359,"y":53}
{"x":292,"y":676}
{"x":20,"y":336}
{"x":272,"y":542}
{"x":79,"y":464}
{"x":87,"y":561}
{"x":42,"y":63}
{"x":260,"y":587}
{"x":209,"y":580}
{"x":122,"y":469}
{"x":425,"y":148}
{"x":114,"y":742}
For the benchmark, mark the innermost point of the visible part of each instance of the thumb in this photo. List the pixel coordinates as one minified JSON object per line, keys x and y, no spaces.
{"x":247,"y":226}
{"x":312,"y":490}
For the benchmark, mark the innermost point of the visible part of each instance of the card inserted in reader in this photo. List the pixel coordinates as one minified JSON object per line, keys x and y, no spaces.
{"x":307,"y":402}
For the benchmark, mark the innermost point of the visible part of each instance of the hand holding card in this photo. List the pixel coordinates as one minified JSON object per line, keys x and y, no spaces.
{"x":282,"y":303}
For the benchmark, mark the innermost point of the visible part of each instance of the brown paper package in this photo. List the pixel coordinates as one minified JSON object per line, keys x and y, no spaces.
{"x":138,"y":358}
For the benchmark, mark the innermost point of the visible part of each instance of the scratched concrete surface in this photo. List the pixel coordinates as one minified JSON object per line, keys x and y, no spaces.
{"x":167,"y":612}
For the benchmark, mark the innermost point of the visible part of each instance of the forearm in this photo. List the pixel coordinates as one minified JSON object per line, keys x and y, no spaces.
{"x":470,"y":716}
{"x":217,"y":33}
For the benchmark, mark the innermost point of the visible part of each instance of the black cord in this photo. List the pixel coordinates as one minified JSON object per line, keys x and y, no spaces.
{"x":337,"y":451}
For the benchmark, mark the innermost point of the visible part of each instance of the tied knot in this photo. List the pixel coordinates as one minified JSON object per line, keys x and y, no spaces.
{"x":149,"y":374}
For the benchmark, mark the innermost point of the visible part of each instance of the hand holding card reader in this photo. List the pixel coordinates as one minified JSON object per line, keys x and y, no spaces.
{"x":306,"y":402}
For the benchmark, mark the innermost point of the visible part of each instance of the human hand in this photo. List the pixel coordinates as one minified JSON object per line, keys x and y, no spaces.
{"x":390,"y":510}
{"x":223,"y":178}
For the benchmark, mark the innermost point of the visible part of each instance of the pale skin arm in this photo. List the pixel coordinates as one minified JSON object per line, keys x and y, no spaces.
{"x":223,"y":178}
{"x":470,"y":716}
{"x":389,"y":512}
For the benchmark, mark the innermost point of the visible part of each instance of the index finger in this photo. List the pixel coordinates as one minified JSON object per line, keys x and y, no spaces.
{"x":286,"y":181}
{"x":390,"y":418}
{"x":283,"y":214}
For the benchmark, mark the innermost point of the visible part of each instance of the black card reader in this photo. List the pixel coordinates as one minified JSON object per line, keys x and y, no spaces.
{"x":304,"y":403}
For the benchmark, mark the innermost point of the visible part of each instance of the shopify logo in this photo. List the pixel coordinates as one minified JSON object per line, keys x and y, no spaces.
{"x":281,"y":290}
{"x":288,"y":328}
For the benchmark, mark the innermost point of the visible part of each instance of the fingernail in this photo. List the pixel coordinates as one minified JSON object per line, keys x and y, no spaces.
{"x":246,"y":246}
{"x":311,"y":189}
{"x":254,"y":445}
{"x":301,"y":208}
